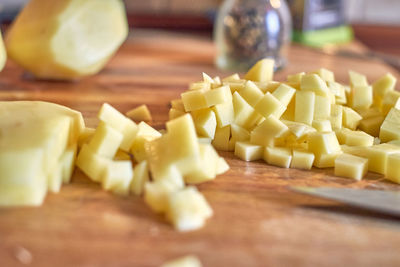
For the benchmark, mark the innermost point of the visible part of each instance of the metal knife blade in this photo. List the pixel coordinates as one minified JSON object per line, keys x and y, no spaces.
{"x":387,"y":202}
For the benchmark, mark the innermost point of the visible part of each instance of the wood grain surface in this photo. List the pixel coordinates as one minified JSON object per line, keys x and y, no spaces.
{"x":257,"y":221}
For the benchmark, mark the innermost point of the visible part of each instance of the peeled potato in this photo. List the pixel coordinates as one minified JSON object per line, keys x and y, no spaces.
{"x":67,"y":39}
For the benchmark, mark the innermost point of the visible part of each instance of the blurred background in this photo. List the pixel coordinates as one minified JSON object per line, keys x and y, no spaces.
{"x":375,"y":23}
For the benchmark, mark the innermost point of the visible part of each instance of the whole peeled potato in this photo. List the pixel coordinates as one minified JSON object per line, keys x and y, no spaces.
{"x":67,"y":39}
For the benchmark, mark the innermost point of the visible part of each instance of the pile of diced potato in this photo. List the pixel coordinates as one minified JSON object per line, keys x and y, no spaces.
{"x":307,"y":120}
{"x":166,"y":165}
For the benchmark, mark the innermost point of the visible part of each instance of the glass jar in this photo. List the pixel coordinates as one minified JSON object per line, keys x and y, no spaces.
{"x":249,"y":30}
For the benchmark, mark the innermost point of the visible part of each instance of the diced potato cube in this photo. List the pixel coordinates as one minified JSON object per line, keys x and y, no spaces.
{"x":221,"y":138}
{"x":390,"y":128}
{"x":357,"y":79}
{"x":360,"y":151}
{"x":177,"y":104}
{"x":313,"y":83}
{"x":156,"y":194}
{"x":140,"y":178}
{"x":203,"y":86}
{"x":378,"y":157}
{"x":360,"y":97}
{"x":265,"y":133}
{"x":326,"y":75}
{"x":106,"y":141}
{"x":322,"y":125}
{"x":251,"y":93}
{"x":389,"y":101}
{"x":284,"y":94}
{"x":187,"y":261}
{"x":355,"y":138}
{"x":298,"y":129}
{"x":140,"y":113}
{"x":295,"y":78}
{"x":351,"y":118}
{"x":239,"y":134}
{"x":351,"y":166}
{"x":231,"y":78}
{"x":205,"y":122}
{"x":245,"y":115}
{"x":262,"y":71}
{"x":188,"y":209}
{"x":208,"y":162}
{"x":336,"y":117}
{"x":304,"y":109}
{"x":268,"y":105}
{"x":248,"y":152}
{"x":218,"y":96}
{"x":393,"y":168}
{"x":224,"y":113}
{"x":145,"y":134}
{"x":323,"y":143}
{"x":322,"y":107}
{"x":325,"y":160}
{"x":384,"y":85}
{"x":91,"y":164}
{"x":118,"y":176}
{"x":67,"y":162}
{"x":85,"y":136}
{"x":194,"y":100}
{"x":339,"y":92}
{"x":302,"y":159}
{"x":278,"y":156}
{"x":175,"y":113}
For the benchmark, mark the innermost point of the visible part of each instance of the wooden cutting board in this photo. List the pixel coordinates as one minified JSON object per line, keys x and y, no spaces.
{"x":257,"y":221}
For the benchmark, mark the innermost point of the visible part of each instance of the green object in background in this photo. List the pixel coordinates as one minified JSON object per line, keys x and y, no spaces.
{"x":321,"y":37}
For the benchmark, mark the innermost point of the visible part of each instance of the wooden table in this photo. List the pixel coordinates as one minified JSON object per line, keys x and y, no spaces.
{"x":257,"y":222}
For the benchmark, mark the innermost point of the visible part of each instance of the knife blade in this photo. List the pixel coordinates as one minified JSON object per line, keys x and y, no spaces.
{"x":386,"y":202}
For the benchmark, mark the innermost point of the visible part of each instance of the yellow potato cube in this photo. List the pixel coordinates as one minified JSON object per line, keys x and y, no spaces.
{"x":251,"y":93}
{"x":248,"y":152}
{"x":175,"y":113}
{"x":336,"y":117}
{"x":221,"y":138}
{"x":67,"y":162}
{"x":205,"y":122}
{"x":278,"y":156}
{"x":105,"y":141}
{"x":389,"y":101}
{"x":390,"y":128}
{"x":156,"y":194}
{"x":378,"y":157}
{"x":322,"y":125}
{"x":245,"y":115}
{"x":360,"y":151}
{"x":302,"y":159}
{"x":262,"y":71}
{"x":85,"y":136}
{"x":295,"y":78}
{"x":140,"y":113}
{"x":304,"y":107}
{"x":204,"y":86}
{"x":188,"y":209}
{"x":322,"y":107}
{"x":187,"y":261}
{"x":384,"y":85}
{"x":145,"y":134}
{"x":177,"y":104}
{"x":218,"y":96}
{"x":239,"y":134}
{"x":268,"y":105}
{"x":117,"y":177}
{"x":351,"y":166}
{"x":357,"y":79}
{"x":355,"y":138}
{"x":360,"y":97}
{"x":194,"y":100}
{"x":325,"y":160}
{"x":284,"y":94}
{"x":208,"y":166}
{"x":351,"y":118}
{"x":338,"y":91}
{"x":140,"y":178}
{"x":224,"y":113}
{"x":393,"y":168}
{"x":313,"y":83}
{"x":265,"y":133}
{"x":231,"y":78}
{"x":326,"y":75}
{"x":91,"y":164}
{"x":323,"y":143}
